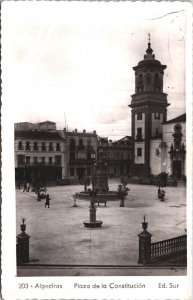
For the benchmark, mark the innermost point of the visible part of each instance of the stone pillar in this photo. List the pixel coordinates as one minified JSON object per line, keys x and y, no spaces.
{"x":144,"y":245}
{"x":23,"y":245}
{"x":92,"y":214}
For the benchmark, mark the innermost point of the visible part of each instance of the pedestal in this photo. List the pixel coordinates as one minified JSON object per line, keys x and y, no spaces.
{"x":92,"y":223}
{"x":144,"y":245}
{"x":23,"y":246}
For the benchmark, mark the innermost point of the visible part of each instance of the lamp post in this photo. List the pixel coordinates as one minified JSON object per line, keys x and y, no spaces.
{"x":22,"y":246}
{"x":93,"y":223}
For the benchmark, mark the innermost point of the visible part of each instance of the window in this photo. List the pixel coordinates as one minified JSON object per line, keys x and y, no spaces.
{"x":148,"y":78}
{"x":139,"y":133}
{"x":139,"y":151}
{"x":50,"y":147}
{"x":43,"y":160}
{"x":139,"y":116}
{"x":80,"y":144}
{"x":140,"y":84}
{"x":50,"y":160}
{"x":43,"y":147}
{"x":157,"y":83}
{"x":35,"y":146}
{"x":71,"y":171}
{"x":27,"y":160}
{"x":20,"y":147}
{"x":72,"y":145}
{"x":27,"y":146}
{"x":35,"y":160}
{"x":21,"y":159}
{"x":58,"y":147}
{"x":157,"y":115}
{"x":58,"y":160}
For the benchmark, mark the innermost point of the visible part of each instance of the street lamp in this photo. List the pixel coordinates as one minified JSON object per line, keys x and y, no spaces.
{"x":93,"y":223}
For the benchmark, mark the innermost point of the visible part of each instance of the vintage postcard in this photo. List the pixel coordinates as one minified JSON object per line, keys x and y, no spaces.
{"x":96,"y":150}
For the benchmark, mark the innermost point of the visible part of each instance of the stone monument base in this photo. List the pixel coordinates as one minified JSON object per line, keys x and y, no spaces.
{"x":95,"y":224}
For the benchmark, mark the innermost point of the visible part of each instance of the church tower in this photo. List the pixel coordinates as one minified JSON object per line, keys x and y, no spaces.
{"x":149,"y":110}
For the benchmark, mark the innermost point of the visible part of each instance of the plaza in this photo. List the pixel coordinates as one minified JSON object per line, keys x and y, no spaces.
{"x":58,"y":236}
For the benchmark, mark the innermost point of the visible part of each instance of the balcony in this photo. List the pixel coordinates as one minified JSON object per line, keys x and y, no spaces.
{"x":43,"y":149}
{"x":81,"y":161}
{"x":39,"y":164}
{"x":35,"y":148}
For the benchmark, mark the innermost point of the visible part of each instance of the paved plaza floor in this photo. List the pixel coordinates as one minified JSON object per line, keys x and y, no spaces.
{"x":59,"y":237}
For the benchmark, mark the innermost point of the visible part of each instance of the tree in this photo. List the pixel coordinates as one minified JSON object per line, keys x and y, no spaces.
{"x":85,"y":182}
{"x":122,"y":193}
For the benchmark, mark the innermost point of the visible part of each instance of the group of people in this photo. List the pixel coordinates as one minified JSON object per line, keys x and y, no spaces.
{"x":44,"y":196}
{"x":26,"y":188}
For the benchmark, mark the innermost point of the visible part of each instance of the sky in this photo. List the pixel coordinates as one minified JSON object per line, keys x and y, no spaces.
{"x":71,"y":62}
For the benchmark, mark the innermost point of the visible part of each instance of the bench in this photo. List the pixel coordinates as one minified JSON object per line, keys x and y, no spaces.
{"x":101,"y":201}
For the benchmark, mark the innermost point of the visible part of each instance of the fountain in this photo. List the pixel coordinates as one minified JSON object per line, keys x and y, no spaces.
{"x":100,"y":180}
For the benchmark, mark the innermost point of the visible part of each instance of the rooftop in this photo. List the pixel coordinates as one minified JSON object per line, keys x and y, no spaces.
{"x":181,"y":118}
{"x":36,"y":135}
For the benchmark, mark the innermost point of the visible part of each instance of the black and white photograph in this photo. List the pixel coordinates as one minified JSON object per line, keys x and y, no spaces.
{"x":96,"y":149}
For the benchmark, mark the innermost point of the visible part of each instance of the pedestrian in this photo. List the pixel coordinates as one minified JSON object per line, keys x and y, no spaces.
{"x":47,"y":203}
{"x":25,"y":187}
{"x":158,"y":192}
{"x":38,"y":196}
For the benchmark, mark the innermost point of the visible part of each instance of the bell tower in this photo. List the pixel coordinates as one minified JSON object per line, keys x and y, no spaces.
{"x":149,"y":110}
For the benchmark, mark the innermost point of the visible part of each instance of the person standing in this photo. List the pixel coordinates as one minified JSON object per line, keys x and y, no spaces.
{"x":25,"y":187}
{"x":158,"y":192}
{"x":47,"y":203}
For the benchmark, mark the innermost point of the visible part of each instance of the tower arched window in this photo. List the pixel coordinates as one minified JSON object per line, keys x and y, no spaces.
{"x":140,"y":85}
{"x":157,"y":86}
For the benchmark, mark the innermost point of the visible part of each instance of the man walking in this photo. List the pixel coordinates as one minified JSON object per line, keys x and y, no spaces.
{"x":25,"y":187}
{"x":47,"y":203}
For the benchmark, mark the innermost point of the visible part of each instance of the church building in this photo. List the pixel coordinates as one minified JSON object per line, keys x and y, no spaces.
{"x":158,"y":145}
